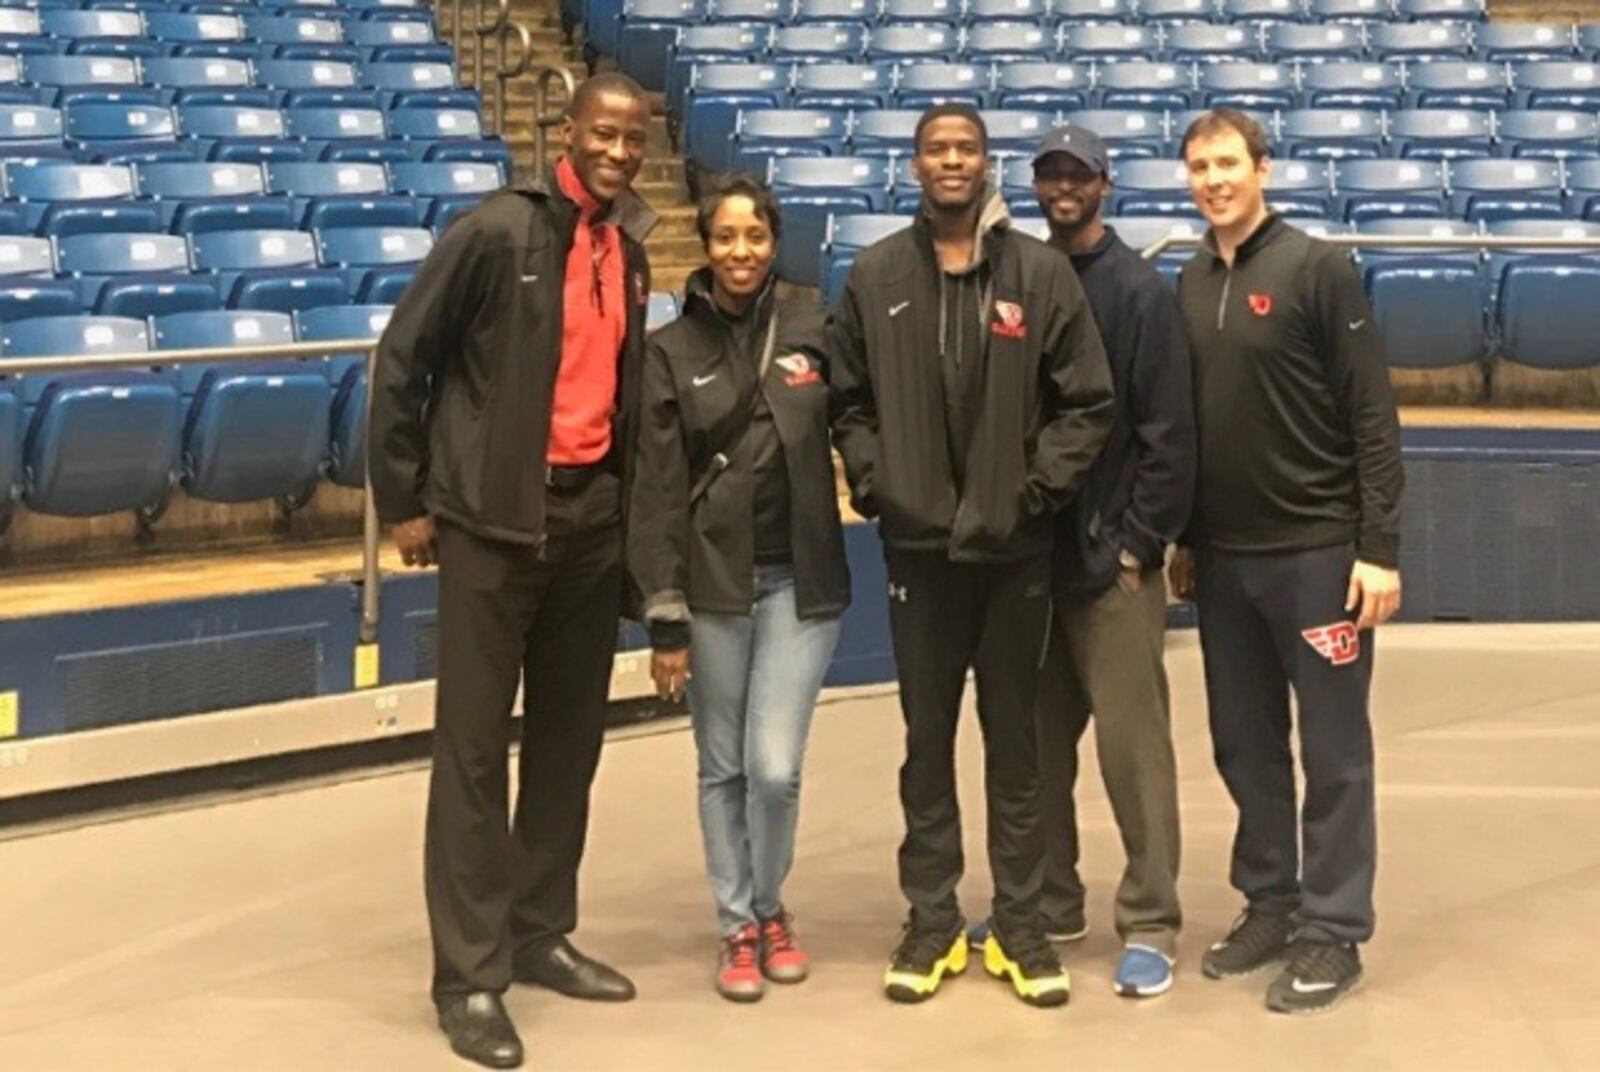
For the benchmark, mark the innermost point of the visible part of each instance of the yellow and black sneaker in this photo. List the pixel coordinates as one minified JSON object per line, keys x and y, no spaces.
{"x":1034,"y":970}
{"x":922,"y":960}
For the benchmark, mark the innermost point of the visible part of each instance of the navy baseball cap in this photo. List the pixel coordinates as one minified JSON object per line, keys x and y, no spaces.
{"x":1080,"y":143}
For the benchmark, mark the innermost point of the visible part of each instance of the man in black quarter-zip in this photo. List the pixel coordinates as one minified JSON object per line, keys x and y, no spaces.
{"x":1292,"y":557}
{"x":971,"y":395}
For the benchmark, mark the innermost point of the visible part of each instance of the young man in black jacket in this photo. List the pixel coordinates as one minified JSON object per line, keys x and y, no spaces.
{"x":971,"y":395}
{"x":1293,"y":558}
{"x":1106,"y":652}
{"x":502,"y":424}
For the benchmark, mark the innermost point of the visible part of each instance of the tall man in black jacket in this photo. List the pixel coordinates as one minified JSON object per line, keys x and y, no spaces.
{"x":971,"y":396}
{"x":1111,"y":603}
{"x":502,"y":424}
{"x":1295,"y":554}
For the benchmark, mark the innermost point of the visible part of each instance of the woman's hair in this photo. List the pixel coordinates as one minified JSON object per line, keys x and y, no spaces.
{"x":739,"y":185}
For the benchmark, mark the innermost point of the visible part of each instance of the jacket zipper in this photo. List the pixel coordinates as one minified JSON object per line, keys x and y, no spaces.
{"x":1222,"y":306}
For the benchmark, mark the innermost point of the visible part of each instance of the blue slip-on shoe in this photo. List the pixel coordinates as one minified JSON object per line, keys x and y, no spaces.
{"x":1143,"y":972}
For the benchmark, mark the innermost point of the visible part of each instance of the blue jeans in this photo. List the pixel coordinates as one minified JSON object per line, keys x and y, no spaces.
{"x":753,"y":682}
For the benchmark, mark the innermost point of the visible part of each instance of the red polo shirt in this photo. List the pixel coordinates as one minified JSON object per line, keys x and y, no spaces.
{"x":594,"y":323}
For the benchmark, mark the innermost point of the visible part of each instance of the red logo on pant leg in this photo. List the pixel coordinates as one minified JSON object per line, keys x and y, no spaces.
{"x":1261,"y":304}
{"x":1339,"y":643}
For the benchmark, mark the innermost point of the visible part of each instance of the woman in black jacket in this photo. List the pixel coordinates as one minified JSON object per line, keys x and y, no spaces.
{"x":738,"y":553}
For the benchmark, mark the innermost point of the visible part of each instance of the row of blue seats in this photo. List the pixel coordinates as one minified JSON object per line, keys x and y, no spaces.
{"x":1437,"y":308}
{"x":55,"y":199}
{"x":1312,"y":134}
{"x":233,"y":37}
{"x":334,"y":9}
{"x":108,"y":132}
{"x":140,"y":275}
{"x":666,"y":66}
{"x":80,"y":444}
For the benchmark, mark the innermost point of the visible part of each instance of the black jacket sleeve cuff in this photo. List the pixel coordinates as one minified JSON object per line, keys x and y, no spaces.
{"x":1379,"y":548}
{"x":669,"y":636}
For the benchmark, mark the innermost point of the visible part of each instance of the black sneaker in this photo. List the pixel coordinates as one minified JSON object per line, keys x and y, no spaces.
{"x":1318,"y":975}
{"x":1257,"y":939}
{"x":922,"y":960}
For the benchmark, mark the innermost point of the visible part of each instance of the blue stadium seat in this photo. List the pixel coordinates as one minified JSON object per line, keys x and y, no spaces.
{"x":1150,"y":87}
{"x":1263,"y":86}
{"x":69,"y":78}
{"x":1359,"y":12}
{"x":718,"y":92}
{"x":310,"y":82}
{"x":121,"y":274}
{"x":1437,"y":10}
{"x":417,"y":85}
{"x":297,"y":28}
{"x":1016,"y":186}
{"x":1550,"y":135}
{"x":906,"y":43}
{"x":1506,"y":189}
{"x":1419,"y":41}
{"x":67,"y":199}
{"x":1029,"y":11}
{"x":1441,"y":133}
{"x":1008,"y":42}
{"x":1382,"y":189}
{"x":1583,"y":186}
{"x":1151,"y":188}
{"x":1208,"y":43}
{"x":1426,"y":301}
{"x":1547,"y":314}
{"x":447,"y":134}
{"x":445,"y":190}
{"x":1310,"y":42}
{"x":847,"y":237}
{"x":760,"y":136}
{"x":1500,"y":260}
{"x":1333,"y":133}
{"x":345,"y":134}
{"x":850,"y":87}
{"x":818,"y":43}
{"x":347,"y":454}
{"x":884,"y":132}
{"x":727,"y":44}
{"x":1299,"y":188}
{"x":10,"y":444}
{"x":835,"y":11}
{"x":28,"y":289}
{"x":1567,"y":86}
{"x":29,"y":131}
{"x":922,"y":85}
{"x":1080,"y":11}
{"x":1458,"y":84}
{"x":275,"y":270}
{"x":1510,"y":42}
{"x":12,"y":90}
{"x":239,"y":134}
{"x":348,"y":194}
{"x":123,"y":133}
{"x":206,"y":80}
{"x":1141,"y":232}
{"x":97,"y":443}
{"x":663,"y":310}
{"x":378,"y":261}
{"x":1047,"y":86}
{"x":1352,"y":85}
{"x":99,"y":33}
{"x":1127,"y":132}
{"x":925,"y":12}
{"x":198,"y":197}
{"x":1177,"y":12}
{"x":1108,"y":42}
{"x":254,"y":430}
{"x":1589,"y":41}
{"x":645,"y":33}
{"x":1015,"y":133}
{"x":811,"y":189}
{"x":186,"y":28}
{"x":772,"y":12}
{"x":1263,"y":12}
{"x":393,"y":34}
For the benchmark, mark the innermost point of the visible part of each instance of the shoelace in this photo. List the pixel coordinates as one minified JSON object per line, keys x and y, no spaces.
{"x":742,"y":949}
{"x":918,"y":949}
{"x":1314,"y":961}
{"x":777,"y":935}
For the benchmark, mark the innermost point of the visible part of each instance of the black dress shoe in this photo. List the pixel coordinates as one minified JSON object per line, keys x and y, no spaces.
{"x":558,"y":966}
{"x":480,"y":1030}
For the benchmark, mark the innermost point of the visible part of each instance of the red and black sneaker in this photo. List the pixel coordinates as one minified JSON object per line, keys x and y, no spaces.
{"x":738,"y":970}
{"x":782,"y":960}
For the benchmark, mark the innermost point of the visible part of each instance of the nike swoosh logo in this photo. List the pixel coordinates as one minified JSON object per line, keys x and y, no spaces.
{"x":530,"y":279}
{"x":1355,"y":324}
{"x":701,"y":381}
{"x":1310,"y":988}
{"x":896,"y":310}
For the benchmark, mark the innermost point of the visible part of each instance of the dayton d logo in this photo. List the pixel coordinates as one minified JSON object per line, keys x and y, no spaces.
{"x":1339,"y":643}
{"x":1008,"y":321}
{"x":1261,"y":304}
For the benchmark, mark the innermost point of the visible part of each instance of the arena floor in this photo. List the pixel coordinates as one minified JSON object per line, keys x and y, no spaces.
{"x":284,"y":930}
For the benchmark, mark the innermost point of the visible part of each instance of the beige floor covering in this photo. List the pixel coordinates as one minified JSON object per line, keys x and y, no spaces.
{"x":284,"y":931}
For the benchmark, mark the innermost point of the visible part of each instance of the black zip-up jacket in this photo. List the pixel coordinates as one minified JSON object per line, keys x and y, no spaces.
{"x":467,"y":368}
{"x":1140,"y":490}
{"x":1044,"y":411}
{"x":1299,"y":439}
{"x":699,"y":557}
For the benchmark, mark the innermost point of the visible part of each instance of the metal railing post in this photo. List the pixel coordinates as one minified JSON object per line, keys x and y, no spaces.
{"x":542,"y":122}
{"x":505,"y":72}
{"x":371,"y":581}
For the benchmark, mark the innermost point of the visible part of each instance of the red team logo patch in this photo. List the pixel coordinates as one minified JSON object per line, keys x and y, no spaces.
{"x":1009,"y":320}
{"x":1261,"y":304}
{"x":798,"y":366}
{"x":1339,"y":643}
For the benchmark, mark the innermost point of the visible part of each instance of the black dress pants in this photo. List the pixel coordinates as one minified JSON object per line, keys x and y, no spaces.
{"x":946,"y":617}
{"x":549,"y":618}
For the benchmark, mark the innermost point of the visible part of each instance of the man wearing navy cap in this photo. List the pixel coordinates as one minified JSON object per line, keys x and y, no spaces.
{"x":1110,"y":602}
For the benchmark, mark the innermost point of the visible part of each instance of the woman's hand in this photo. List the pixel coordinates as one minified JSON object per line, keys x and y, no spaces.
{"x":670,"y":671}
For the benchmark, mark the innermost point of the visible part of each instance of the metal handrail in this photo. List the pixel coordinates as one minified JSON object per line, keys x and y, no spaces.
{"x":543,"y":75}
{"x":505,"y":73}
{"x":482,"y":30}
{"x":1533,"y":243}
{"x":370,"y":604}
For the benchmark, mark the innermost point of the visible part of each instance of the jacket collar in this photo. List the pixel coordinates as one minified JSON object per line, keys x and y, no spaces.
{"x":1087,"y":257}
{"x":1271,"y":227}
{"x":697,"y":299}
{"x":993,"y":220}
{"x":628,"y":211}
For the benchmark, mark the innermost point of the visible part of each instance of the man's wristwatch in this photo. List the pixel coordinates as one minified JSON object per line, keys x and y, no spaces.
{"x":1129,"y":561}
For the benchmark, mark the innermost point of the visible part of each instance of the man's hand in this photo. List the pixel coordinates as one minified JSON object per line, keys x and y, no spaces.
{"x":670,"y":671}
{"x":417,"y":541}
{"x":1180,"y":573}
{"x":1376,"y":591}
